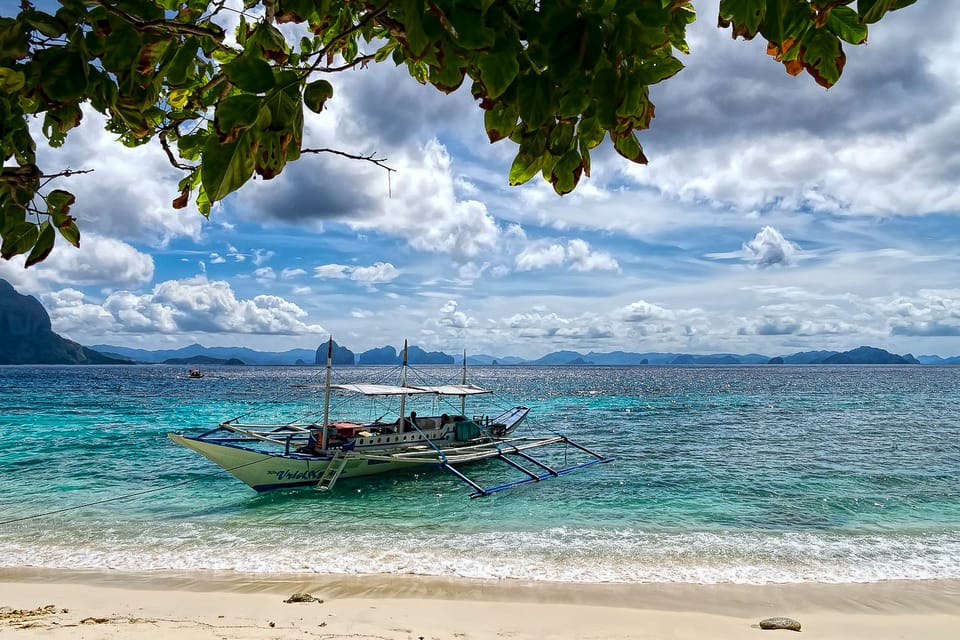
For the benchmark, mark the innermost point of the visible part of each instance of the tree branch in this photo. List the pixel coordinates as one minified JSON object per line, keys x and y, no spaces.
{"x":162,"y":25}
{"x":166,"y":148}
{"x":321,"y":54}
{"x":361,"y":60}
{"x":372,"y":158}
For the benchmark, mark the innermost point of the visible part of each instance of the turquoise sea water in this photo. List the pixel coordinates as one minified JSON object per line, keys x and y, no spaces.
{"x":725,"y":474}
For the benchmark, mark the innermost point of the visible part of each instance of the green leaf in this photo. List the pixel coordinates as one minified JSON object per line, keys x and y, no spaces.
{"x":871,"y":11}
{"x":70,"y":233}
{"x":822,"y":56}
{"x":226,"y":167}
{"x":523,"y":168}
{"x":534,"y":99}
{"x":843,"y":22}
{"x":19,"y":239}
{"x":415,"y":34}
{"x":64,"y":74}
{"x":270,"y":42}
{"x":658,"y":67}
{"x":316,"y":93}
{"x":629,"y":147}
{"x":58,"y":206}
{"x":181,"y":64}
{"x":500,"y":121}
{"x":590,"y":132}
{"x":566,"y":173}
{"x":745,"y":16}
{"x":46,"y":24}
{"x":498,"y":70}
{"x":786,"y":20}
{"x":45,"y":240}
{"x":11,"y":80}
{"x":604,"y":88}
{"x":561,"y":139}
{"x":191,"y":145}
{"x":250,"y":74}
{"x":236,"y":114}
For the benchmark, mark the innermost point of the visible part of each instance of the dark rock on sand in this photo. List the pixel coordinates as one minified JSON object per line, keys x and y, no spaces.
{"x":302,"y":597}
{"x":780,"y":623}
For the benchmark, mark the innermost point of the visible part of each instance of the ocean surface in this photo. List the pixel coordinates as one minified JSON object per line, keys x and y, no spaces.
{"x":722,"y":475}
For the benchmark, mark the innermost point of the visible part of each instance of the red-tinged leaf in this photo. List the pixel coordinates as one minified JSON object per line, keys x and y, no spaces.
{"x":745,"y":16}
{"x":71,"y":233}
{"x":180,"y":202}
{"x":566,"y":173}
{"x":58,"y":206}
{"x":822,"y":57}
{"x":629,"y":147}
{"x":500,"y":121}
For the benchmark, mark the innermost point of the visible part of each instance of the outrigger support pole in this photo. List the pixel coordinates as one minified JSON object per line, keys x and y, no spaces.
{"x":531,"y":476}
{"x":519,"y":466}
{"x":479,"y":490}
{"x":582,"y":448}
{"x":552,"y":471}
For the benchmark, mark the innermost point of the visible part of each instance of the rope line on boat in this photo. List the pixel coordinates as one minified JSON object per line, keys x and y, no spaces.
{"x":127,"y":496}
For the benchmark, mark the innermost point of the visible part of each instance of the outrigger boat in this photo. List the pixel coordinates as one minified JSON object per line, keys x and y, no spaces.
{"x":304,"y":453}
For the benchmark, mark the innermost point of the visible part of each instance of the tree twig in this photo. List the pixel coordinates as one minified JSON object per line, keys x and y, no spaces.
{"x":372,"y":158}
{"x":166,"y":148}
{"x":360,"y":60}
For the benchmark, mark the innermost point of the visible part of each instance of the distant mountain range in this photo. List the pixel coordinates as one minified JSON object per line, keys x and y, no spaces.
{"x":26,"y":337}
{"x":415,"y":355}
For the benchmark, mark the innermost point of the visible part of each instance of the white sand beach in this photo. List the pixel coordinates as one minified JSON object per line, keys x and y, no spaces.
{"x":106,"y":604}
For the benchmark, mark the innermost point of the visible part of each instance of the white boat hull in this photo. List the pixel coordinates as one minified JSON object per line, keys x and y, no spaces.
{"x":264,"y":472}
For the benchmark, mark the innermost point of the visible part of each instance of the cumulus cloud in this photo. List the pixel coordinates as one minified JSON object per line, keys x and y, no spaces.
{"x":377,"y":273}
{"x":425,"y":210}
{"x":129,"y":194}
{"x":930,"y":313}
{"x":451,"y":317}
{"x":264,"y":275}
{"x":540,"y":256}
{"x":192,"y":305}
{"x":577,"y":255}
{"x":769,"y":248}
{"x":99,"y":261}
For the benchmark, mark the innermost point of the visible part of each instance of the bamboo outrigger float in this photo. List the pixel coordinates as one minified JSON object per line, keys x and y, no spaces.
{"x":273,"y":456}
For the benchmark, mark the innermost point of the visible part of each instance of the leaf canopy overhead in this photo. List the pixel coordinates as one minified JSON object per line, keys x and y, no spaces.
{"x":555,"y":77}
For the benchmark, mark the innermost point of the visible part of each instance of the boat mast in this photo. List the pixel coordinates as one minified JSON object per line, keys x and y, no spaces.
{"x":326,"y":396}
{"x":463,"y":381}
{"x":403,"y":383}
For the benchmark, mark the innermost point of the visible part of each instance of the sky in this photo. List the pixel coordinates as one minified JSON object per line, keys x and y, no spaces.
{"x":774,"y":216}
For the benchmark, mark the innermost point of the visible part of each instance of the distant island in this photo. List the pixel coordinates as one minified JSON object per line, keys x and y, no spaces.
{"x":389,"y":355}
{"x":26,"y":337}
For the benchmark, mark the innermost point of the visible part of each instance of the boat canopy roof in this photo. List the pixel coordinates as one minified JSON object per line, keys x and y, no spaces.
{"x":456,"y":389}
{"x":396,"y":390}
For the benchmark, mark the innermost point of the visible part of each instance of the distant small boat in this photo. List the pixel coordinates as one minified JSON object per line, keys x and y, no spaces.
{"x":196,"y":373}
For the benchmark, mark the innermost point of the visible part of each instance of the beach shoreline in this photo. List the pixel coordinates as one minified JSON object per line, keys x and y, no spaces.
{"x":102,"y":604}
